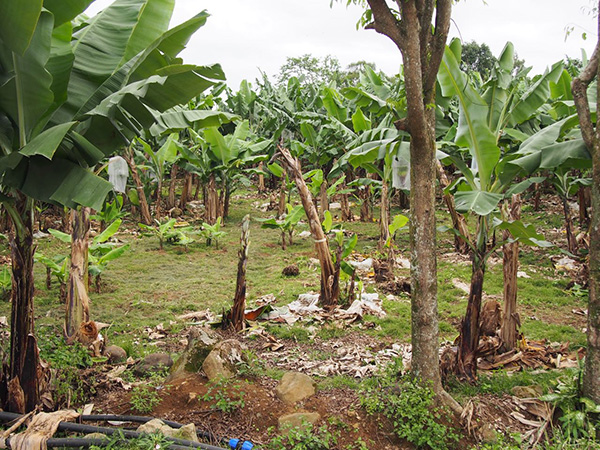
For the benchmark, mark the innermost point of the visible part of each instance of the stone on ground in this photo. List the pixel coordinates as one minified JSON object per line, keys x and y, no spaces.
{"x":294,"y":387}
{"x":115,"y":354}
{"x":153,"y":363}
{"x":223,"y":360}
{"x":201,"y":342}
{"x":187,"y":432}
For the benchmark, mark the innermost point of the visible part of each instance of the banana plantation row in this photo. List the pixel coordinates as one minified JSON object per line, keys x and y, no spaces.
{"x":78,"y":91}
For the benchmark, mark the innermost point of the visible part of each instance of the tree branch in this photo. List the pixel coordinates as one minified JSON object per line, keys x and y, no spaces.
{"x":402,"y":125}
{"x":438,"y":44}
{"x":384,"y":21}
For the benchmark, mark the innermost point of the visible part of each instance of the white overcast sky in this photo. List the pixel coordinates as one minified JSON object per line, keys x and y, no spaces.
{"x":247,"y":35}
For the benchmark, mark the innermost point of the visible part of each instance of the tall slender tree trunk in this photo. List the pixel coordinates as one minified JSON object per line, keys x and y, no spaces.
{"x":172,"y":184}
{"x":239,"y":300}
{"x":77,"y":304}
{"x":458,"y":220}
{"x":23,"y":379}
{"x":419,"y":28}
{"x":591,"y":137}
{"x":143,"y":201}
{"x":510,"y":251}
{"x":584,"y":195}
{"x":330,"y":277}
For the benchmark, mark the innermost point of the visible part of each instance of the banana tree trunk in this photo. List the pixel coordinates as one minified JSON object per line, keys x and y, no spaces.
{"x":585,"y":202}
{"x":366,"y":209}
{"x":186,"y":190}
{"x":261,"y":179}
{"x":468,"y":340}
{"x":77,"y":304}
{"x":384,"y":215}
{"x":571,"y":242}
{"x":158,"y":205}
{"x":226,"y":200}
{"x":212,"y":201}
{"x":282,"y":197}
{"x":236,"y":320}
{"x":172,"y":184}
{"x":458,"y":220}
{"x":510,"y":251}
{"x":330,"y":288}
{"x":143,"y":201}
{"x":198,"y":186}
{"x":323,"y":199}
{"x":345,"y":205}
{"x":23,"y":376}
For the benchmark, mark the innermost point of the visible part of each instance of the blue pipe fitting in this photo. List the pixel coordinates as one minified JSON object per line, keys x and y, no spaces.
{"x":234,"y":444}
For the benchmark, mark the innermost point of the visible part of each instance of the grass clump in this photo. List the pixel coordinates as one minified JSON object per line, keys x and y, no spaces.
{"x":409,"y":404}
{"x":305,"y":438}
{"x":226,"y":395}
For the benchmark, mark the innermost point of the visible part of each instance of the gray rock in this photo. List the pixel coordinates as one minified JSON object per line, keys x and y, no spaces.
{"x":526,"y":391}
{"x":201,"y":341}
{"x":115,"y":354}
{"x":298,"y":420}
{"x":294,"y":387}
{"x":153,"y":363}
{"x":187,"y":432}
{"x":222,"y":361}
{"x":488,"y":433}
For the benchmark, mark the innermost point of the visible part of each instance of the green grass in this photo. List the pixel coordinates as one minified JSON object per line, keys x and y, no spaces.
{"x":147,"y":286}
{"x":501,"y":382}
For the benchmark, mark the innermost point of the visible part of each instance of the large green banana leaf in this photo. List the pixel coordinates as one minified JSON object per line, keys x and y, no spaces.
{"x":51,"y":138}
{"x":473,"y":131}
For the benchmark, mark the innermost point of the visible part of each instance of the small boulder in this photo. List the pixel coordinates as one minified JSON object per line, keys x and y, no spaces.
{"x":115,"y":354}
{"x":294,"y":387}
{"x":187,"y":432}
{"x":488,"y":434}
{"x":201,"y":341}
{"x":526,"y":391}
{"x":298,"y":420}
{"x":222,"y":361}
{"x":291,"y":271}
{"x":153,"y":363}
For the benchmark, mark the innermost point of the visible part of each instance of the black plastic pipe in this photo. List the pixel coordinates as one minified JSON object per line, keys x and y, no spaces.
{"x":144,"y":419}
{"x":80,"y":428}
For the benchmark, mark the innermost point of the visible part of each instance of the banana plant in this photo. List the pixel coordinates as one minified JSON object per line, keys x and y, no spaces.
{"x":483,"y":119}
{"x":5,"y":282}
{"x":161,"y":230}
{"x":57,"y":267}
{"x":166,"y":154}
{"x":230,"y":155}
{"x":101,"y":252}
{"x":212,"y":232}
{"x":285,"y":225}
{"x":110,"y":212}
{"x":72,"y":94}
